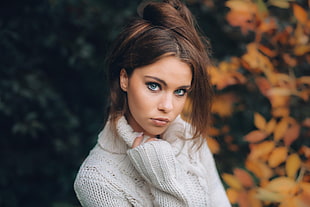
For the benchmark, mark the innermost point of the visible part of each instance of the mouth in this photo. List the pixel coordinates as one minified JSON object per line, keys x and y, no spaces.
{"x":160,"y":121}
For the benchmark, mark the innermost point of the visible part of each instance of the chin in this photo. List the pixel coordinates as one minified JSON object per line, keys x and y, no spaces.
{"x":155,"y":132}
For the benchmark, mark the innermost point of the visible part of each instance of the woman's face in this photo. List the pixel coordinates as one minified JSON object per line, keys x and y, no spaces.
{"x":156,"y":94}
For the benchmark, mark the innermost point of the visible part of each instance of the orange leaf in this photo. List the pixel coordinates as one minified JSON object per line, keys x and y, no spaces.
{"x":259,"y":121}
{"x":253,"y":200}
{"x":267,"y":51}
{"x":263,"y":85}
{"x":292,"y":165}
{"x":243,"y":200}
{"x":280,"y":129}
{"x":300,"y":13}
{"x":232,"y":181}
{"x":244,"y":177}
{"x":291,"y":202}
{"x":223,"y":104}
{"x":213,"y":145}
{"x":255,"y":136}
{"x":280,"y":112}
{"x":305,"y":150}
{"x":240,"y":5}
{"x":300,"y":50}
{"x":305,"y":187}
{"x":212,"y":131}
{"x":271,"y":126}
{"x":260,"y":169}
{"x":242,"y":19}
{"x":232,"y":195}
{"x":291,"y":134}
{"x":277,"y":156}
{"x":256,"y":61}
{"x":261,"y":149}
{"x":306,"y":122}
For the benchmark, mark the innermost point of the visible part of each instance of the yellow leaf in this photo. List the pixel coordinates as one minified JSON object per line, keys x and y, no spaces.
{"x":241,"y":6}
{"x":232,"y":181}
{"x":300,"y":50}
{"x":267,"y":195}
{"x":277,"y":156}
{"x":292,"y":165}
{"x":261,"y":149}
{"x":280,"y":129}
{"x":232,"y":195}
{"x":256,"y":61}
{"x":281,"y":185}
{"x":259,"y":121}
{"x":303,"y":80}
{"x":284,"y":4}
{"x":255,"y":136}
{"x":300,"y":13}
{"x":271,"y":126}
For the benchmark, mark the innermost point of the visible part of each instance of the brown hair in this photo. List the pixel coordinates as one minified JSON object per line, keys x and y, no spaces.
{"x":163,"y":28}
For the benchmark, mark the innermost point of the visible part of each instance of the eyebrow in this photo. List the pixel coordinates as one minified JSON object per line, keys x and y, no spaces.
{"x":164,"y":82}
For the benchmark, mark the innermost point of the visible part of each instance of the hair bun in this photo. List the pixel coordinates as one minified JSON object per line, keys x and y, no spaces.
{"x":169,"y":13}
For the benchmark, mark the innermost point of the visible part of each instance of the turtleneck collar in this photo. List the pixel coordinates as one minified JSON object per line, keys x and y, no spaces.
{"x":124,"y":139}
{"x":120,"y":142}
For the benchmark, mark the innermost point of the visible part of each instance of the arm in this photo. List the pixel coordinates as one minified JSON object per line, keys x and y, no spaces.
{"x":98,"y":193}
{"x":217,"y":194}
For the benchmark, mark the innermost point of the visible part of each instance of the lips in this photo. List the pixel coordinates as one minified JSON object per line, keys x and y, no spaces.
{"x":160,"y":121}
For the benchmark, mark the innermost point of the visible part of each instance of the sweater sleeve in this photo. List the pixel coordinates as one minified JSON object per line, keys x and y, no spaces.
{"x":156,"y":162}
{"x":95,"y":193}
{"x":218,"y":195}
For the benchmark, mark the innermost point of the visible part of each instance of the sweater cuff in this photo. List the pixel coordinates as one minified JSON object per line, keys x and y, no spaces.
{"x":155,"y":161}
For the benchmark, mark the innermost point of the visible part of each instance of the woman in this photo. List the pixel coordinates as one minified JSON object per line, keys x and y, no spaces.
{"x":146,"y":154}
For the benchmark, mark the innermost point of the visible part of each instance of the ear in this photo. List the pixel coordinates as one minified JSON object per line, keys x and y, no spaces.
{"x":123,"y":80}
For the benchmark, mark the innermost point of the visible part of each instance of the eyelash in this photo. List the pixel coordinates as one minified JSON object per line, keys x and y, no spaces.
{"x":150,"y":86}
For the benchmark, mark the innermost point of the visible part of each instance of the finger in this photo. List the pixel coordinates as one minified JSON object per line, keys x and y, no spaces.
{"x":137,"y":141}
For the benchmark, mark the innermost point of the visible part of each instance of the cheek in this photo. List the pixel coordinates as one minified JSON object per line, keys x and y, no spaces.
{"x":180,"y":105}
{"x":139,"y":100}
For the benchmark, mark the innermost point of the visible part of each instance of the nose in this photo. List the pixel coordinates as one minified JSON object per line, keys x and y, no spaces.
{"x":166,"y":103}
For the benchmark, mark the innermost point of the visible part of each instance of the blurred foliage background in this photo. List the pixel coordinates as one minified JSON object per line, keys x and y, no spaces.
{"x":53,"y":89}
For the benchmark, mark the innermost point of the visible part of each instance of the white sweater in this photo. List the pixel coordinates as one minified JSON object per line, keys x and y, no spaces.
{"x":168,"y":172}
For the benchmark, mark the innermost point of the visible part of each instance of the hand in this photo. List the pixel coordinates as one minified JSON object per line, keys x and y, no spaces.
{"x":139,"y":140}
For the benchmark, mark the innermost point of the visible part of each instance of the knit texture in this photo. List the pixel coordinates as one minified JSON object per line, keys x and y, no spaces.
{"x":168,"y":172}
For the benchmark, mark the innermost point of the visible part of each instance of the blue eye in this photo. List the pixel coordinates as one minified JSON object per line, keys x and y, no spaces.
{"x":153,"y":86}
{"x":180,"y":92}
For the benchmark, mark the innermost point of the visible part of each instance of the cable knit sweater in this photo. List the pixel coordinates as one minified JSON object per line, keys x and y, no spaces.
{"x":168,"y":172}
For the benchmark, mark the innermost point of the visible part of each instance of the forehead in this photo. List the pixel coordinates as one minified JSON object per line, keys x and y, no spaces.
{"x":170,"y":69}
